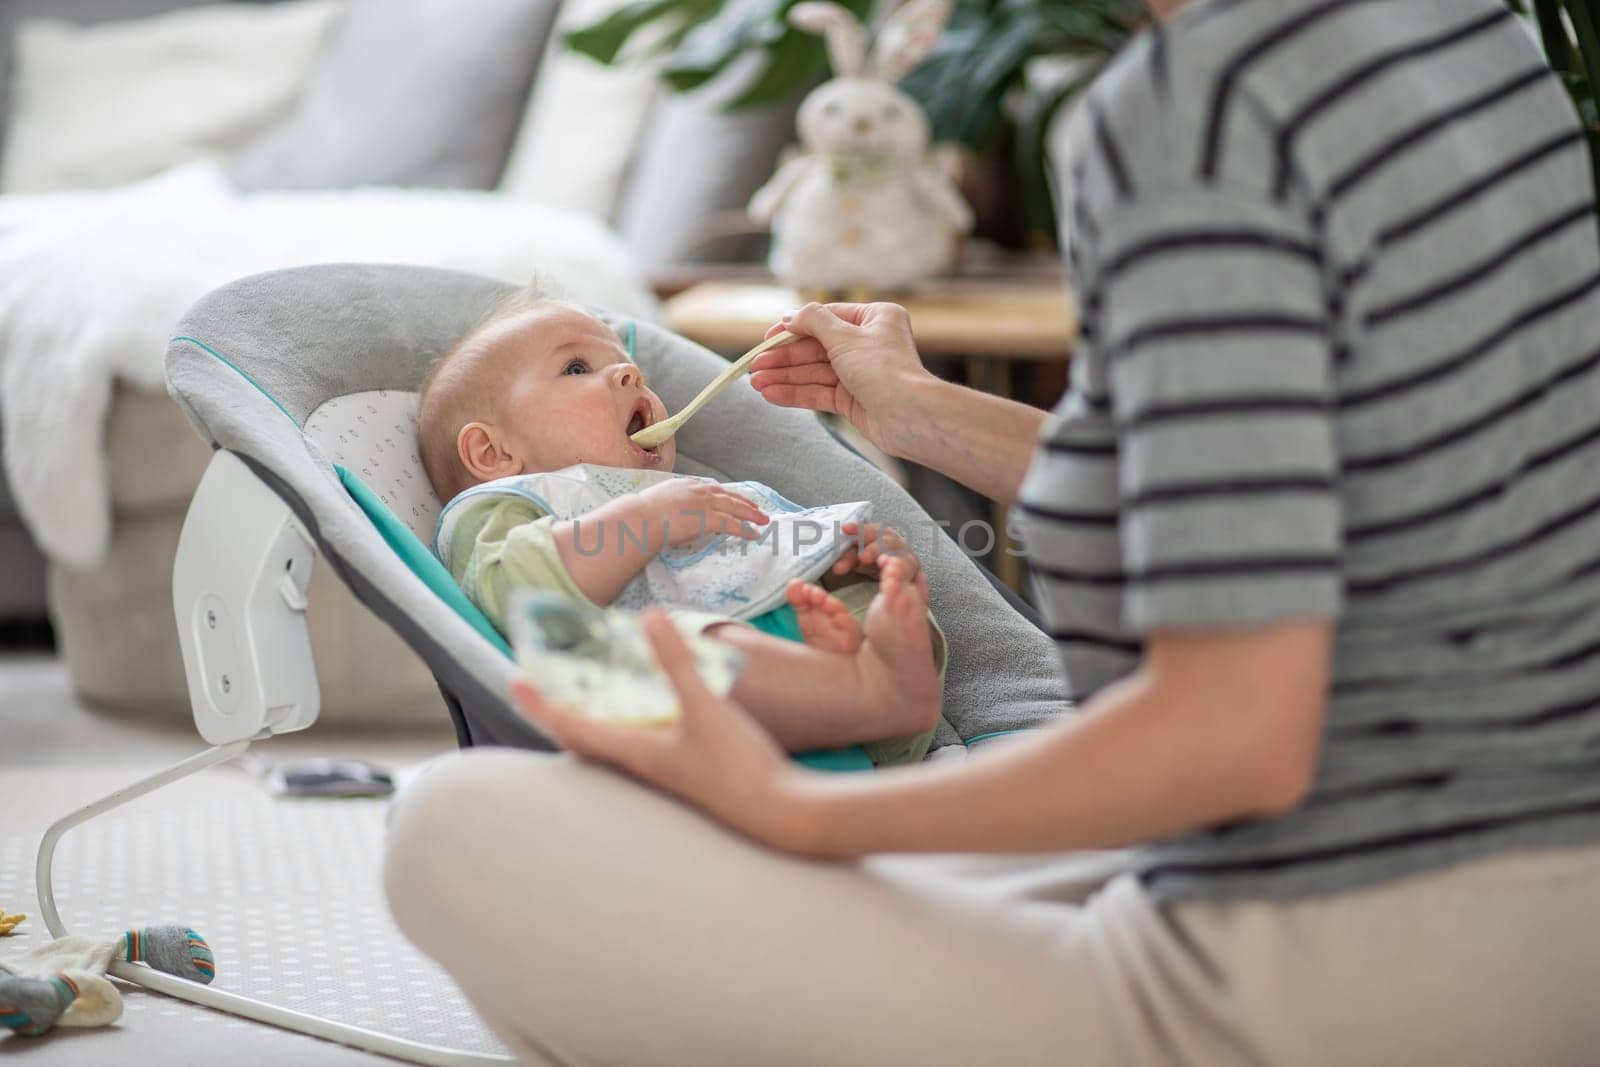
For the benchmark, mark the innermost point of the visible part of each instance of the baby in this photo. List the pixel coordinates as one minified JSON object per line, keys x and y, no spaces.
{"x":542,"y":386}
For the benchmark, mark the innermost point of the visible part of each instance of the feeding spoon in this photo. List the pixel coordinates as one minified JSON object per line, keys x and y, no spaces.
{"x":652,"y":436}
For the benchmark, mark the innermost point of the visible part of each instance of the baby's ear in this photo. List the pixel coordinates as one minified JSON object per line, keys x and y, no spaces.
{"x":483,"y":451}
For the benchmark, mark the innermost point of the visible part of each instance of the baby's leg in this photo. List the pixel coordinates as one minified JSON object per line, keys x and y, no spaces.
{"x":810,"y":698}
{"x":825,"y":622}
{"x":897,"y":657}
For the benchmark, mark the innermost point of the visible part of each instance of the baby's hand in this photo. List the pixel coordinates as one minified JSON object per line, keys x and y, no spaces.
{"x":681,"y":511}
{"x":870,"y":545}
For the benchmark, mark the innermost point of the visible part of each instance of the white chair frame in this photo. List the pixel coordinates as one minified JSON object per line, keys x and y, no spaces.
{"x":239,"y":593}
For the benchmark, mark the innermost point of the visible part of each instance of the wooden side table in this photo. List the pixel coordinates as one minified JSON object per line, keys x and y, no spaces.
{"x":989,"y":325}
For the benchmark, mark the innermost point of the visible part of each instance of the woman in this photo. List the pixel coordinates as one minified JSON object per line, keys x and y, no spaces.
{"x":1317,"y":528}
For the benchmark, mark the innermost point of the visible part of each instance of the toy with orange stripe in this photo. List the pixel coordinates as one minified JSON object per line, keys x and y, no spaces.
{"x":33,"y":1005}
{"x":175,"y":949}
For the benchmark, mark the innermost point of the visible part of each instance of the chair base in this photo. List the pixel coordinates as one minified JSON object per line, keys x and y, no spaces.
{"x":207,"y":996}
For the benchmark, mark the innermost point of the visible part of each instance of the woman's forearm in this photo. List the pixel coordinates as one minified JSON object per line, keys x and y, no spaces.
{"x":983,"y":441}
{"x":1142,"y":762}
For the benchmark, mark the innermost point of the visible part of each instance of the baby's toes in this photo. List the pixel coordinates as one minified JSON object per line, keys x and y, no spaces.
{"x":915,"y":583}
{"x":802,"y":597}
{"x":807,"y":598}
{"x":893,"y":580}
{"x":824,"y":621}
{"x":839,"y":616}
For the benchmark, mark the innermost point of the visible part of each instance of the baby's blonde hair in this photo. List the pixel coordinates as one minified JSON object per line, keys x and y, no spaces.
{"x":454,"y":393}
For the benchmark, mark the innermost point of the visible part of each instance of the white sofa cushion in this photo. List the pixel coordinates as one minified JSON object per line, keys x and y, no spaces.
{"x":583,"y":123}
{"x":98,"y":106}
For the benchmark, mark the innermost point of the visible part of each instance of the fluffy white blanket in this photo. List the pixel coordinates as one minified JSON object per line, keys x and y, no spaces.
{"x":91,"y":285}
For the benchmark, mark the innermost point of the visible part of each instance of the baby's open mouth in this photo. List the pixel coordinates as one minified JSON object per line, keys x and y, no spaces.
{"x":638,"y":420}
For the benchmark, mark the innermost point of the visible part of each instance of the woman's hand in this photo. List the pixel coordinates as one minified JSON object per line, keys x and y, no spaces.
{"x":858,"y":360}
{"x":682,"y":511}
{"x":715,"y":756}
{"x":871,"y":544}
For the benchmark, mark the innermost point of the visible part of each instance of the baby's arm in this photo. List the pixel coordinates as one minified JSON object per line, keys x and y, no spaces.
{"x":604,"y":550}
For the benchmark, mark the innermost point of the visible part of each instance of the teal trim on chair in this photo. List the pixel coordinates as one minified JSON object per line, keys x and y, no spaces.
{"x":415,"y":555}
{"x":854,"y":758}
{"x":225,"y":361}
{"x":990,"y":736}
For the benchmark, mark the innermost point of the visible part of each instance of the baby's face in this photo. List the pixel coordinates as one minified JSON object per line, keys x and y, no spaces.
{"x":571,"y":395}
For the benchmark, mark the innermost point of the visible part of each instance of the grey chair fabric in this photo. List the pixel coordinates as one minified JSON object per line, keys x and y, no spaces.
{"x":253,"y":359}
{"x":423,"y":93}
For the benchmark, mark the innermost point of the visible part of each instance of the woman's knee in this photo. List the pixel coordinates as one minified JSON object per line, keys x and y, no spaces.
{"x":475,"y":820}
{"x":447,"y":825}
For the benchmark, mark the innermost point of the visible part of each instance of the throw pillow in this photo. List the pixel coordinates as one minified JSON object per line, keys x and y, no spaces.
{"x":409,"y":93}
{"x":583,"y":124}
{"x":101,"y":105}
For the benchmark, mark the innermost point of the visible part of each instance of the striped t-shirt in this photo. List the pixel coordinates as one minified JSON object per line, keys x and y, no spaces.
{"x":1339,"y":272}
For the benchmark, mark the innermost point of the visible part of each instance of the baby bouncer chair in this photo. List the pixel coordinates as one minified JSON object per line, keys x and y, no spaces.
{"x":304,"y":382}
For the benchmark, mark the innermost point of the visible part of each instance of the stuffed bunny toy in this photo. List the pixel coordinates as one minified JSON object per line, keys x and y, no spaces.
{"x":863,"y":206}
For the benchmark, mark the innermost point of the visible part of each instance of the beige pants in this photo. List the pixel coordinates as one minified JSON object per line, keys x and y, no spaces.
{"x":592,"y":921}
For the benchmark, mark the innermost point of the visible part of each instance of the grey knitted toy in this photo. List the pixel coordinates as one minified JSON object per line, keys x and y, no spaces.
{"x":64,"y":982}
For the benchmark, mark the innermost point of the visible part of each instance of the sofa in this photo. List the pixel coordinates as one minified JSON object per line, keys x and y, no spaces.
{"x":113,"y":620}
{"x":22,"y":598}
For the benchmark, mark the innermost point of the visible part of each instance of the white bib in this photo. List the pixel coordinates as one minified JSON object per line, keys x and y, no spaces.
{"x":728,"y":576}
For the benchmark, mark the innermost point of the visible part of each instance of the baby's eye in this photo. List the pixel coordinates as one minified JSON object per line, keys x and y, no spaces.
{"x":577,"y":366}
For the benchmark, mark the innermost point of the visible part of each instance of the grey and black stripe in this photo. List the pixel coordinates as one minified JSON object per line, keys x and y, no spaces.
{"x":1339,"y":268}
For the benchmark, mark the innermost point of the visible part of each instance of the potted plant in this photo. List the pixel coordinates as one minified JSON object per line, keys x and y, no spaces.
{"x":1570,"y":30}
{"x":981,"y":86}
{"x":975,"y":86}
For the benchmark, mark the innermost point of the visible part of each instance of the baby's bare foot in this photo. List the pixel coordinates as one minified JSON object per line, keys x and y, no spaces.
{"x":896,"y":661}
{"x":825,"y":622}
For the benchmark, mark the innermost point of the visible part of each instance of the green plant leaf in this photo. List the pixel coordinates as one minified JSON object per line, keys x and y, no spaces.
{"x":603,"y":40}
{"x":1553,"y":35}
{"x":980,"y":58}
{"x":674,"y":38}
{"x":1586,"y":25}
{"x":717,"y":41}
{"x":1584,"y":19}
{"x":963,"y":84}
{"x":1033,"y":160}
{"x":794,"y":61}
